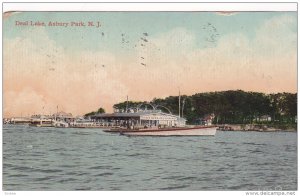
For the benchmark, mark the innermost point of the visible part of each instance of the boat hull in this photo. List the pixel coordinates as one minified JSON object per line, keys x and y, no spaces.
{"x":196,"y":131}
{"x":41,"y":125}
{"x":86,"y":127}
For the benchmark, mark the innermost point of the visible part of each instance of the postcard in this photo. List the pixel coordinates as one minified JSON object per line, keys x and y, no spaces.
{"x":150,"y":96}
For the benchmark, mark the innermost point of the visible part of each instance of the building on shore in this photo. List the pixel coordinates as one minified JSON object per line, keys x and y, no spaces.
{"x":206,"y":120}
{"x":41,"y":116}
{"x":57,"y":116}
{"x":147,"y":118}
{"x":264,"y":118}
{"x":68,"y":117}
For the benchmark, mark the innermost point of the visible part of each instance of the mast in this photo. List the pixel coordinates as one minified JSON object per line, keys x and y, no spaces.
{"x":127,"y":104}
{"x":56,"y":112}
{"x":179,"y":104}
{"x":183,"y":101}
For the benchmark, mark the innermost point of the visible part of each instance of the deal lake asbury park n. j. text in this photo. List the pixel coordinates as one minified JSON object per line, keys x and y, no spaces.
{"x":96,"y":24}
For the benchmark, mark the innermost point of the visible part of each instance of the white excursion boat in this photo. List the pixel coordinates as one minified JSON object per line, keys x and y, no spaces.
{"x":176,"y":131}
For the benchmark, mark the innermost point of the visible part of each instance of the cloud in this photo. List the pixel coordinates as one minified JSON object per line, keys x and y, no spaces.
{"x":44,"y":74}
{"x":267,"y":62}
{"x":277,"y":36}
{"x":23,"y":102}
{"x":38,"y":68}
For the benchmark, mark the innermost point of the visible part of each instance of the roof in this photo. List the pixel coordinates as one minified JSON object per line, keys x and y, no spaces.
{"x":132,"y":115}
{"x":63,"y":114}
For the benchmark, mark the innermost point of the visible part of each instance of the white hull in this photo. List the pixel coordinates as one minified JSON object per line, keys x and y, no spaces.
{"x":60,"y":124}
{"x":41,"y":125}
{"x":209,"y":131}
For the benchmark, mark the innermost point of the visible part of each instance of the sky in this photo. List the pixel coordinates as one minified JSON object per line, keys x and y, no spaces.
{"x":142,"y":55}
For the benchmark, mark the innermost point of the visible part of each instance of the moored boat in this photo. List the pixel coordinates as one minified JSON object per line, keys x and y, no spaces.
{"x":60,"y":124}
{"x":18,"y":121}
{"x":175,"y":131}
{"x":41,"y":122}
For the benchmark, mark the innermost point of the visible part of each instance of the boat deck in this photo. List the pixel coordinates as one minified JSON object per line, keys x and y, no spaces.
{"x":120,"y":130}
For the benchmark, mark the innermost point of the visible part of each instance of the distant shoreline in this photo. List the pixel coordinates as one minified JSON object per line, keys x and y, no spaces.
{"x":259,"y":131}
{"x":257,"y":128}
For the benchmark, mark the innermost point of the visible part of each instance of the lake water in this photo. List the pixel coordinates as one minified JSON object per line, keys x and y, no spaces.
{"x":89,"y":159}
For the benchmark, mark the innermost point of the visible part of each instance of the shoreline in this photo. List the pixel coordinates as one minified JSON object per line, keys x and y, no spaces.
{"x":221,"y":127}
{"x":256,"y":128}
{"x":264,"y":131}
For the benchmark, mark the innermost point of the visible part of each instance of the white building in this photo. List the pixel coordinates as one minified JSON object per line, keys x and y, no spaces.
{"x":149,"y":118}
{"x":264,"y":118}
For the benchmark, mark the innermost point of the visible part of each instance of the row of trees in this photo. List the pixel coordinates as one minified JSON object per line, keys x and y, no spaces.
{"x":235,"y":107}
{"x":99,"y":111}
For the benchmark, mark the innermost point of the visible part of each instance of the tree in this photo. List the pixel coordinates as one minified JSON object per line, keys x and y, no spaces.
{"x":89,"y":114}
{"x":127,"y":104}
{"x":100,"y":111}
{"x":233,"y":106}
